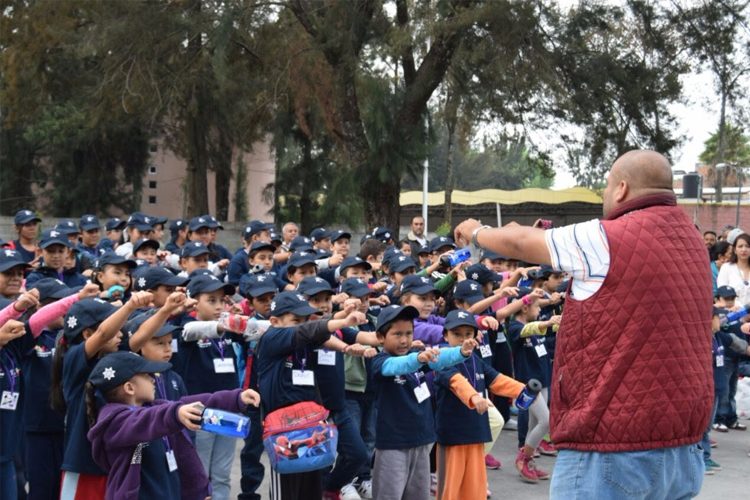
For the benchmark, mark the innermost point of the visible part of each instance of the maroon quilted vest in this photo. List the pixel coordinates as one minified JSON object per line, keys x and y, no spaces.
{"x":633,"y":362}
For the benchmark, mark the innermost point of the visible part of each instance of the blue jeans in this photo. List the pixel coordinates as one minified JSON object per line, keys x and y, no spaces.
{"x":727,"y":413}
{"x":364,"y":413}
{"x":674,"y":473}
{"x":352,"y":453}
{"x":706,"y":441}
{"x":8,"y":486}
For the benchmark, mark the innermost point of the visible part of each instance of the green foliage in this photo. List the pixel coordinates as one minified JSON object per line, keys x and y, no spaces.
{"x":444,"y":229}
{"x":736,"y":147}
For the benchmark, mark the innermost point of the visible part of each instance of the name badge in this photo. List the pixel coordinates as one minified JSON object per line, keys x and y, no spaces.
{"x":719,"y":360}
{"x":485,"y":351}
{"x":500,"y":338}
{"x":171,"y":461}
{"x":422,"y":392}
{"x":540,"y":350}
{"x":326,"y":357}
{"x":174,"y":346}
{"x":303,"y":377}
{"x":9,"y":400}
{"x":225,"y":365}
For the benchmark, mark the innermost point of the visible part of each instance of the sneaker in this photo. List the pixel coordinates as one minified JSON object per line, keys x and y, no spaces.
{"x":720,"y":428}
{"x":489,"y":493}
{"x":525,"y":466}
{"x":711,"y":464}
{"x":540,"y":473}
{"x":331,"y":495}
{"x":547,"y":448}
{"x":349,"y":492}
{"x":708,"y":471}
{"x":491,"y":462}
{"x":737,"y":426}
{"x":365,"y":489}
{"x":511,"y":425}
{"x":713,"y":443}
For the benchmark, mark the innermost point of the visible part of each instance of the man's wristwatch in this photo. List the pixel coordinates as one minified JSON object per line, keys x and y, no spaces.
{"x":474,"y":235}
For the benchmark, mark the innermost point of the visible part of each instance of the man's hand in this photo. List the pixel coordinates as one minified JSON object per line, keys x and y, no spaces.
{"x":468,"y":347}
{"x":27,"y":300}
{"x":481,"y":405}
{"x":463,"y":232}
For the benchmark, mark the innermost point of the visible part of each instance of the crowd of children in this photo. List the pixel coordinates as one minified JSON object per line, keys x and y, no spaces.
{"x":112,"y":343}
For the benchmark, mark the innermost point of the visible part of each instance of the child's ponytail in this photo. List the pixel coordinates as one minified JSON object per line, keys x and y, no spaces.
{"x":92,"y":412}
{"x":56,"y":396}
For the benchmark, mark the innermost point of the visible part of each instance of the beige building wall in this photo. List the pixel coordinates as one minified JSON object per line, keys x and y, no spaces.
{"x":165,"y":174}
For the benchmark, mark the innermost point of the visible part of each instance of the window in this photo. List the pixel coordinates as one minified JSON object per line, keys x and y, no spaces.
{"x":152,"y":169}
{"x":152,"y":184}
{"x":152,"y":200}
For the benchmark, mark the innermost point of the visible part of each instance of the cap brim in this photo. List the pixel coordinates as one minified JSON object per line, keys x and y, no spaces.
{"x":26,"y":220}
{"x":165,"y":330}
{"x":65,"y":292}
{"x":457,"y":323}
{"x":257,"y":292}
{"x":360,"y":292}
{"x":473,"y":299}
{"x":408,"y":313}
{"x":49,"y":243}
{"x":317,"y":290}
{"x":423,"y":290}
{"x":197,"y":254}
{"x":10,"y":265}
{"x":173,"y":281}
{"x":304,"y":310}
{"x":339,"y":236}
{"x":89,"y":227}
{"x":143,"y":227}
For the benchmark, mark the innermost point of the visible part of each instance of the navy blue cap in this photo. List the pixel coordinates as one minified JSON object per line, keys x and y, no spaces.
{"x":254,"y":227}
{"x":24,"y":217}
{"x":353,"y":261}
{"x":10,"y":259}
{"x":177,"y":225}
{"x":389,"y":253}
{"x":469,"y":291}
{"x":420,"y":285}
{"x":355,"y":287}
{"x":339,"y":234}
{"x":213,"y":222}
{"x":151,"y":277}
{"x":140,"y":221}
{"x":489,"y":254}
{"x":726,"y":292}
{"x":275,"y":236}
{"x":201,"y":271}
{"x":255,"y":285}
{"x":86,"y":313}
{"x":400,"y":263}
{"x":89,"y":222}
{"x":480,"y":273}
{"x":115,"y":369}
{"x":207,"y":284}
{"x":291,"y":302}
{"x":544,"y":272}
{"x":113,"y":259}
{"x":301,"y":243}
{"x":261,"y":245}
{"x":391,"y":313}
{"x":383,"y":234}
{"x":459,"y":317}
{"x":67,"y":226}
{"x":312,"y":285}
{"x":364,"y":238}
{"x":423,"y":249}
{"x":159,"y":219}
{"x":299,"y":259}
{"x":115,"y":223}
{"x":53,"y":237}
{"x":199,"y":222}
{"x":194,"y":249}
{"x":440,"y":242}
{"x":145,"y":242}
{"x":133,"y":324}
{"x":51,"y":288}
{"x":319,"y":233}
{"x":523,"y":291}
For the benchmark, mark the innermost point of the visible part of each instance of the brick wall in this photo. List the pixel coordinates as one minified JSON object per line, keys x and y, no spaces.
{"x":714,"y":216}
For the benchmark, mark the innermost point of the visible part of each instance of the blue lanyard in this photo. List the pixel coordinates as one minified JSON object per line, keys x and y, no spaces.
{"x":219,"y":347}
{"x":416,"y":378}
{"x":9,"y":369}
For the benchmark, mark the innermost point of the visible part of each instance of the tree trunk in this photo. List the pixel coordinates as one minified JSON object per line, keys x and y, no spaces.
{"x":451,"y":117}
{"x":196,"y":184}
{"x":721,"y":146}
{"x":222,"y":165}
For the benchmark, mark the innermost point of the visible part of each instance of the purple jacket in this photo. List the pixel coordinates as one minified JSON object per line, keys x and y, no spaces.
{"x":120,"y":430}
{"x":430,"y":330}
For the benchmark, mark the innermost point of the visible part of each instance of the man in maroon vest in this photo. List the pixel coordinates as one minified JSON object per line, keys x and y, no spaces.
{"x":632,"y":381}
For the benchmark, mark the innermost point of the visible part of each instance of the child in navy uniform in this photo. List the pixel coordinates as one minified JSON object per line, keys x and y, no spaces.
{"x":137,"y":439}
{"x":92,"y":329}
{"x":286,"y":364}
{"x":27,"y":225}
{"x":112,"y":274}
{"x":405,"y":423}
{"x":55,"y":248}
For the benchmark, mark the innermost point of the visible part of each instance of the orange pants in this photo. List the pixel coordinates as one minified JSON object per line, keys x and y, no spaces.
{"x":461,"y":472}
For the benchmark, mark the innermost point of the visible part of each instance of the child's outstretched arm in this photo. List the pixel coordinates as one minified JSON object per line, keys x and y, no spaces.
{"x":110,"y":326}
{"x":235,"y":400}
{"x":505,"y":386}
{"x":174,"y":303}
{"x":540,"y":327}
{"x":47,"y":314}
{"x":450,"y":356}
{"x":16,"y":309}
{"x":435,"y":358}
{"x":469,"y":396}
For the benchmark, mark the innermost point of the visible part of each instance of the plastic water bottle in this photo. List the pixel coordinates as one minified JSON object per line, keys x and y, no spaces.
{"x":529,"y":394}
{"x":737,"y":315}
{"x":460,"y":255}
{"x":225,"y":423}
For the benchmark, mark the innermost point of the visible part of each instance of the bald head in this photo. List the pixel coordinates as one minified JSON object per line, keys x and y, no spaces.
{"x":636,"y":173}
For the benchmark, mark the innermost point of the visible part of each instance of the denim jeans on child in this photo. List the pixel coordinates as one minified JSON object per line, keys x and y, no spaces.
{"x":727,"y":412}
{"x":362,"y":409}
{"x":673,"y":473}
{"x":352,"y":453}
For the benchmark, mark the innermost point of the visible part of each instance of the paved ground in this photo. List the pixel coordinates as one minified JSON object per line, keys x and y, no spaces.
{"x":733,"y":482}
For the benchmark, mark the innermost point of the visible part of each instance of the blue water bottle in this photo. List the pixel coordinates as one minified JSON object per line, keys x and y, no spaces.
{"x":225,"y":423}
{"x":736,"y":315}
{"x":528,"y":394}
{"x":460,"y":255}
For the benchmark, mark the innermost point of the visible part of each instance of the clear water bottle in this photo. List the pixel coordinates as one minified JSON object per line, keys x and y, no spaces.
{"x":225,"y":423}
{"x":460,"y":255}
{"x":529,"y":394}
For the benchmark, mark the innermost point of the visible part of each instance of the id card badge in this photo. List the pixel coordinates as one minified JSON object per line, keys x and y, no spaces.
{"x":485,"y":351}
{"x":174,"y":346}
{"x":540,"y":350}
{"x":719,"y":360}
{"x":224,"y":365}
{"x":171,"y":461}
{"x":501,"y":338}
{"x":326,"y":357}
{"x":303,"y":377}
{"x":9,"y":400}
{"x":422,"y":392}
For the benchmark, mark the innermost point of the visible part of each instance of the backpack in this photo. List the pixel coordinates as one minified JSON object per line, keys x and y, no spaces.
{"x":298,"y":438}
